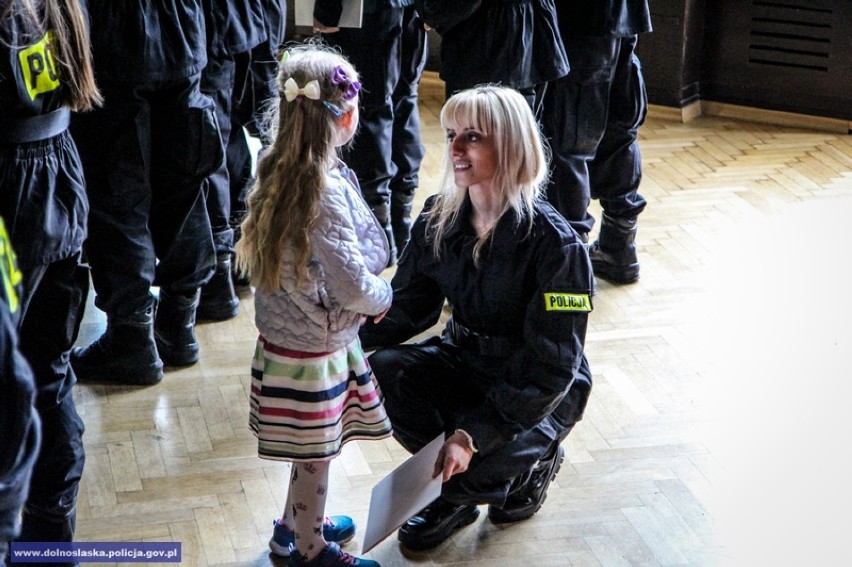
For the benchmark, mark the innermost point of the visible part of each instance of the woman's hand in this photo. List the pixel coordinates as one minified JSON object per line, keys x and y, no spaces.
{"x":320,"y":27}
{"x":454,"y":457}
{"x":381,"y":315}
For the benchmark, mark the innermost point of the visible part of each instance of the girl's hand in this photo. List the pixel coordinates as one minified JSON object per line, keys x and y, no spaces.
{"x":453,"y":458}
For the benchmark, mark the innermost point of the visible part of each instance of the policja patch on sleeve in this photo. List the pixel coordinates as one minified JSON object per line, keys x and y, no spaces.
{"x":577,"y":302}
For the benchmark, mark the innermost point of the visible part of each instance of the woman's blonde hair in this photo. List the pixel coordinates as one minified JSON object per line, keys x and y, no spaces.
{"x":283,"y":204}
{"x":70,"y":42}
{"x":522,"y":156}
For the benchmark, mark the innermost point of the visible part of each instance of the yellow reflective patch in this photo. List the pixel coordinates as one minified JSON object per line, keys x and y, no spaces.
{"x":39,"y":67}
{"x":578,"y":302}
{"x":10,"y":275}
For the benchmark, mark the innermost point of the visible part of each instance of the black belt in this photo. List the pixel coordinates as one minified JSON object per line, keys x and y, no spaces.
{"x":479,"y":343}
{"x":21,"y":130}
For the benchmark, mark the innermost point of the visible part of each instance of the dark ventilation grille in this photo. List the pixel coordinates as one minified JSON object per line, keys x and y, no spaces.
{"x":793,"y":34}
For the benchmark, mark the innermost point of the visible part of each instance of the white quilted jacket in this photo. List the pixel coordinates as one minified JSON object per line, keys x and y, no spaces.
{"x":349,"y":250}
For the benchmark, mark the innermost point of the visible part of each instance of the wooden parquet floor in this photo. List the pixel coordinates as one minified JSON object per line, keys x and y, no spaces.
{"x":716,"y":433}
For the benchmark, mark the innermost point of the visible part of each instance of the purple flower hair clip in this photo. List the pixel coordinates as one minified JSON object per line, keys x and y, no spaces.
{"x":350,"y":88}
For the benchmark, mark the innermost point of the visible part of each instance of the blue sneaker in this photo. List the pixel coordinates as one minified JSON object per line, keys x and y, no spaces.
{"x":332,"y":556}
{"x":335,"y":529}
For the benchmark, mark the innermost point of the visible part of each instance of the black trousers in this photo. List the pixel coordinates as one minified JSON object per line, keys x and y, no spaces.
{"x":389,"y":52}
{"x":254,"y":90}
{"x":592,"y":118}
{"x":54,"y":300}
{"x":44,"y":205}
{"x":218,"y":82}
{"x":427,"y":387}
{"x":146,"y":155}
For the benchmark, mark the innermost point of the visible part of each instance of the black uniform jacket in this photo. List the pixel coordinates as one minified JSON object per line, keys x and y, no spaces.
{"x":36,"y":196}
{"x":140,"y":41}
{"x":533,"y":288}
{"x":612,"y":18}
{"x":234,"y":26}
{"x":511,"y":42}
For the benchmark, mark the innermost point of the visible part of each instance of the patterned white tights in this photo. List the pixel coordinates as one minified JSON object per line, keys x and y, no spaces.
{"x":304,"y":511}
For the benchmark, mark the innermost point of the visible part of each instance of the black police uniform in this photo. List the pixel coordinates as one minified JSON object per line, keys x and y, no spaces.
{"x":147,"y":152}
{"x":592,"y":116}
{"x":234,"y":28}
{"x":43,"y":201}
{"x":19,"y":424}
{"x":511,"y":42}
{"x":510,"y":368}
{"x":257,"y":74}
{"x":389,"y":53}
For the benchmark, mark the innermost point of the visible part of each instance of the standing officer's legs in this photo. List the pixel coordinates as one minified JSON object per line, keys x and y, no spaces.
{"x":574,"y":120}
{"x":180,"y":226}
{"x":374,"y":51}
{"x":616,"y":171}
{"x":218,"y":299}
{"x":53,"y":309}
{"x":114,"y":143}
{"x":408,"y":150}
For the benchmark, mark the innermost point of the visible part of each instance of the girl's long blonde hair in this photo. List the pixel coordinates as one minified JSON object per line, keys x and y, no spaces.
{"x":522,"y":157}
{"x":71,"y":48}
{"x":283,"y":204}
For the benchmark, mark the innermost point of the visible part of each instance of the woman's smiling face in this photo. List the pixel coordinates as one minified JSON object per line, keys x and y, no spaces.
{"x":474,"y":157}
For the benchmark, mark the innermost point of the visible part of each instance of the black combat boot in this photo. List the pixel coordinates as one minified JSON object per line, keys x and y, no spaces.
{"x":125,"y":354}
{"x":435,"y":523}
{"x":400,"y":215}
{"x":219,"y":301}
{"x":527,"y":499}
{"x":174,"y":328}
{"x":613,"y":254}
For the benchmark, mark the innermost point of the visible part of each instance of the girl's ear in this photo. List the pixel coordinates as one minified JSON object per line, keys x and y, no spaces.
{"x":346,"y":119}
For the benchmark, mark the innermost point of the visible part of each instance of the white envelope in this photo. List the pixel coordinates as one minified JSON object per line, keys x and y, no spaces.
{"x":401,"y":494}
{"x":350,"y":18}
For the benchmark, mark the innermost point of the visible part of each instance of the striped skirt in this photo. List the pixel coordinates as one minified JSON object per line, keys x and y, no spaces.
{"x":306,"y":405}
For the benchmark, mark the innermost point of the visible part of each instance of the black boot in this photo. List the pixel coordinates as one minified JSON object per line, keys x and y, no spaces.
{"x":219,"y":301}
{"x":125,"y":354}
{"x":400,"y":216}
{"x":527,"y":499}
{"x":174,"y":328}
{"x":613,"y":254}
{"x":435,"y":523}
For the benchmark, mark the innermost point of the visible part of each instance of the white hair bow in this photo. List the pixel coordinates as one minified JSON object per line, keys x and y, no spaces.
{"x":292,"y":90}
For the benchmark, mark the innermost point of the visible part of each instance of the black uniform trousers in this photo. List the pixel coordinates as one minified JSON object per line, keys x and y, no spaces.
{"x":256,"y":88}
{"x":54,"y":299}
{"x":147,"y":154}
{"x":428,"y":387}
{"x":42,"y":214}
{"x":389,"y":52}
{"x":218,"y":82}
{"x":592,"y":118}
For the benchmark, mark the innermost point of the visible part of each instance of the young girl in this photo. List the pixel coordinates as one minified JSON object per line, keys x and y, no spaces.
{"x":313,"y":250}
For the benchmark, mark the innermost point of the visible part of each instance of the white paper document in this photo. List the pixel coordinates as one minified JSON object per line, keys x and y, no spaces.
{"x":405,"y":491}
{"x":350,"y":18}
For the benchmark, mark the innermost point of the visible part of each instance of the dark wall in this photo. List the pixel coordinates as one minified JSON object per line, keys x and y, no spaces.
{"x":671,"y":54}
{"x":781,"y":55}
